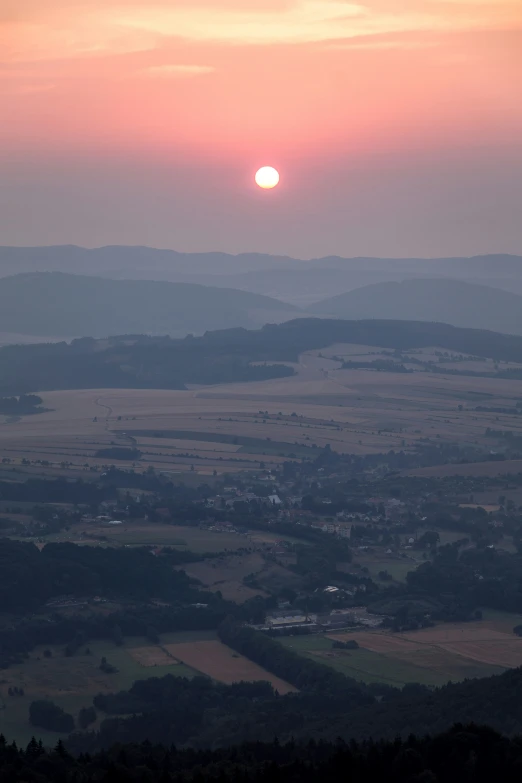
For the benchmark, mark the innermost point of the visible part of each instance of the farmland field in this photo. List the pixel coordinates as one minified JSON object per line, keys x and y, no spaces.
{"x":220,"y":662}
{"x":378,"y":561}
{"x":363,"y":664}
{"x":178,"y":536}
{"x":226,"y":574}
{"x":237,"y":426}
{"x":153,"y":655}
{"x":486,"y":469}
{"x":72,"y":682}
{"x":150,"y":534}
{"x":431,"y":656}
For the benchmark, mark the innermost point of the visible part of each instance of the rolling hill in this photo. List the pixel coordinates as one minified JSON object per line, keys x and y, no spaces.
{"x":293,"y":280}
{"x":62,"y":305}
{"x":223,"y":356}
{"x":445,"y":301}
{"x":122,"y":261}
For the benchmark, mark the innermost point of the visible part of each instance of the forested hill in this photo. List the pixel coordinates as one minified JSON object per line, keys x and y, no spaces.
{"x":449,"y":301}
{"x":61,"y":305}
{"x":286,"y":341}
{"x":223,"y":356}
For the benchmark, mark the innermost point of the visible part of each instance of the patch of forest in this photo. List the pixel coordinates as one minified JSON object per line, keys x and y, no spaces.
{"x":23,"y":405}
{"x":153,"y":591}
{"x":328,"y":706}
{"x":381,"y":365}
{"x":224,"y":356}
{"x":68,"y":569}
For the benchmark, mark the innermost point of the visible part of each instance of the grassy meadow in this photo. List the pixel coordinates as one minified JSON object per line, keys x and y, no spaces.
{"x":72,"y":682}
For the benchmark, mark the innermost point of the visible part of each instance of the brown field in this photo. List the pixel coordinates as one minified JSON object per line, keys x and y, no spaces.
{"x":496,"y":468}
{"x":152,"y":656}
{"x":449,"y":633}
{"x":500,"y":653}
{"x":223,"y":664}
{"x":395,"y":664}
{"x":356,"y":411}
{"x":479,"y":642}
{"x":448,"y":647}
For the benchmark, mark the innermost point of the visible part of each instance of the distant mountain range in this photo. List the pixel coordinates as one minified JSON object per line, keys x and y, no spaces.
{"x":193,"y":293}
{"x":447,"y":301}
{"x":289,"y":279}
{"x":63,"y":305}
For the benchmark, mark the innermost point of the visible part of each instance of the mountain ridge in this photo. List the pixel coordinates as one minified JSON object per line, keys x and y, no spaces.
{"x":62,"y":304}
{"x":298,"y":281}
{"x":455,"y":302}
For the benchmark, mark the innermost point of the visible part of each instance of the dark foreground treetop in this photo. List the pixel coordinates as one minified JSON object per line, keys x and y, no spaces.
{"x":466,"y":754}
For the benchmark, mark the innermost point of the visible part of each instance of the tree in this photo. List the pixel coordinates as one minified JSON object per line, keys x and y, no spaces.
{"x":86,"y":716}
{"x":152,"y":634}
{"x":34,"y":749}
{"x":107,"y":667}
{"x":117,"y":636}
{"x":48,"y":715}
{"x":430,"y":539}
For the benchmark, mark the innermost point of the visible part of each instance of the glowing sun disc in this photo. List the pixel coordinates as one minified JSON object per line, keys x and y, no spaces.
{"x":267,"y":177}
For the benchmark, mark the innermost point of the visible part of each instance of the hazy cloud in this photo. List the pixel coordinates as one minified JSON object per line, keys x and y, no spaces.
{"x":396,"y":124}
{"x":169,"y":71}
{"x":38,"y":29}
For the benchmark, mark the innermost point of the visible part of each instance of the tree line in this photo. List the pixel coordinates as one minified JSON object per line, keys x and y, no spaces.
{"x":30,"y":577}
{"x":319,"y":709}
{"x":226,"y":355}
{"x":22,"y":405}
{"x":470,"y":753}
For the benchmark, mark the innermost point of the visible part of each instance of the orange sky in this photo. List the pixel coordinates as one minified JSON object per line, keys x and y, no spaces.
{"x":123,"y":104}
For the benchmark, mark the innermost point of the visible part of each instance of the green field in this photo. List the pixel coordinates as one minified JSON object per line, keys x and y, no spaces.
{"x":399,"y":569}
{"x":245,"y":443}
{"x":72,"y":682}
{"x":372,"y":667}
{"x":193,"y":539}
{"x":376,"y":562}
{"x":362,"y":665}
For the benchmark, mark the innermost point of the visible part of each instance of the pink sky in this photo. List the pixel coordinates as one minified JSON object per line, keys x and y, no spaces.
{"x":396,"y":125}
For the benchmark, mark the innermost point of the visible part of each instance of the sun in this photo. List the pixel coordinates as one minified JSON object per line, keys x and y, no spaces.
{"x":267,"y":177}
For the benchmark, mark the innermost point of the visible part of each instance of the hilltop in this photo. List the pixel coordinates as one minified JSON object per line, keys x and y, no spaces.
{"x":298,"y":281}
{"x":222,"y":356}
{"x":64,"y":305}
{"x":448,"y":301}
